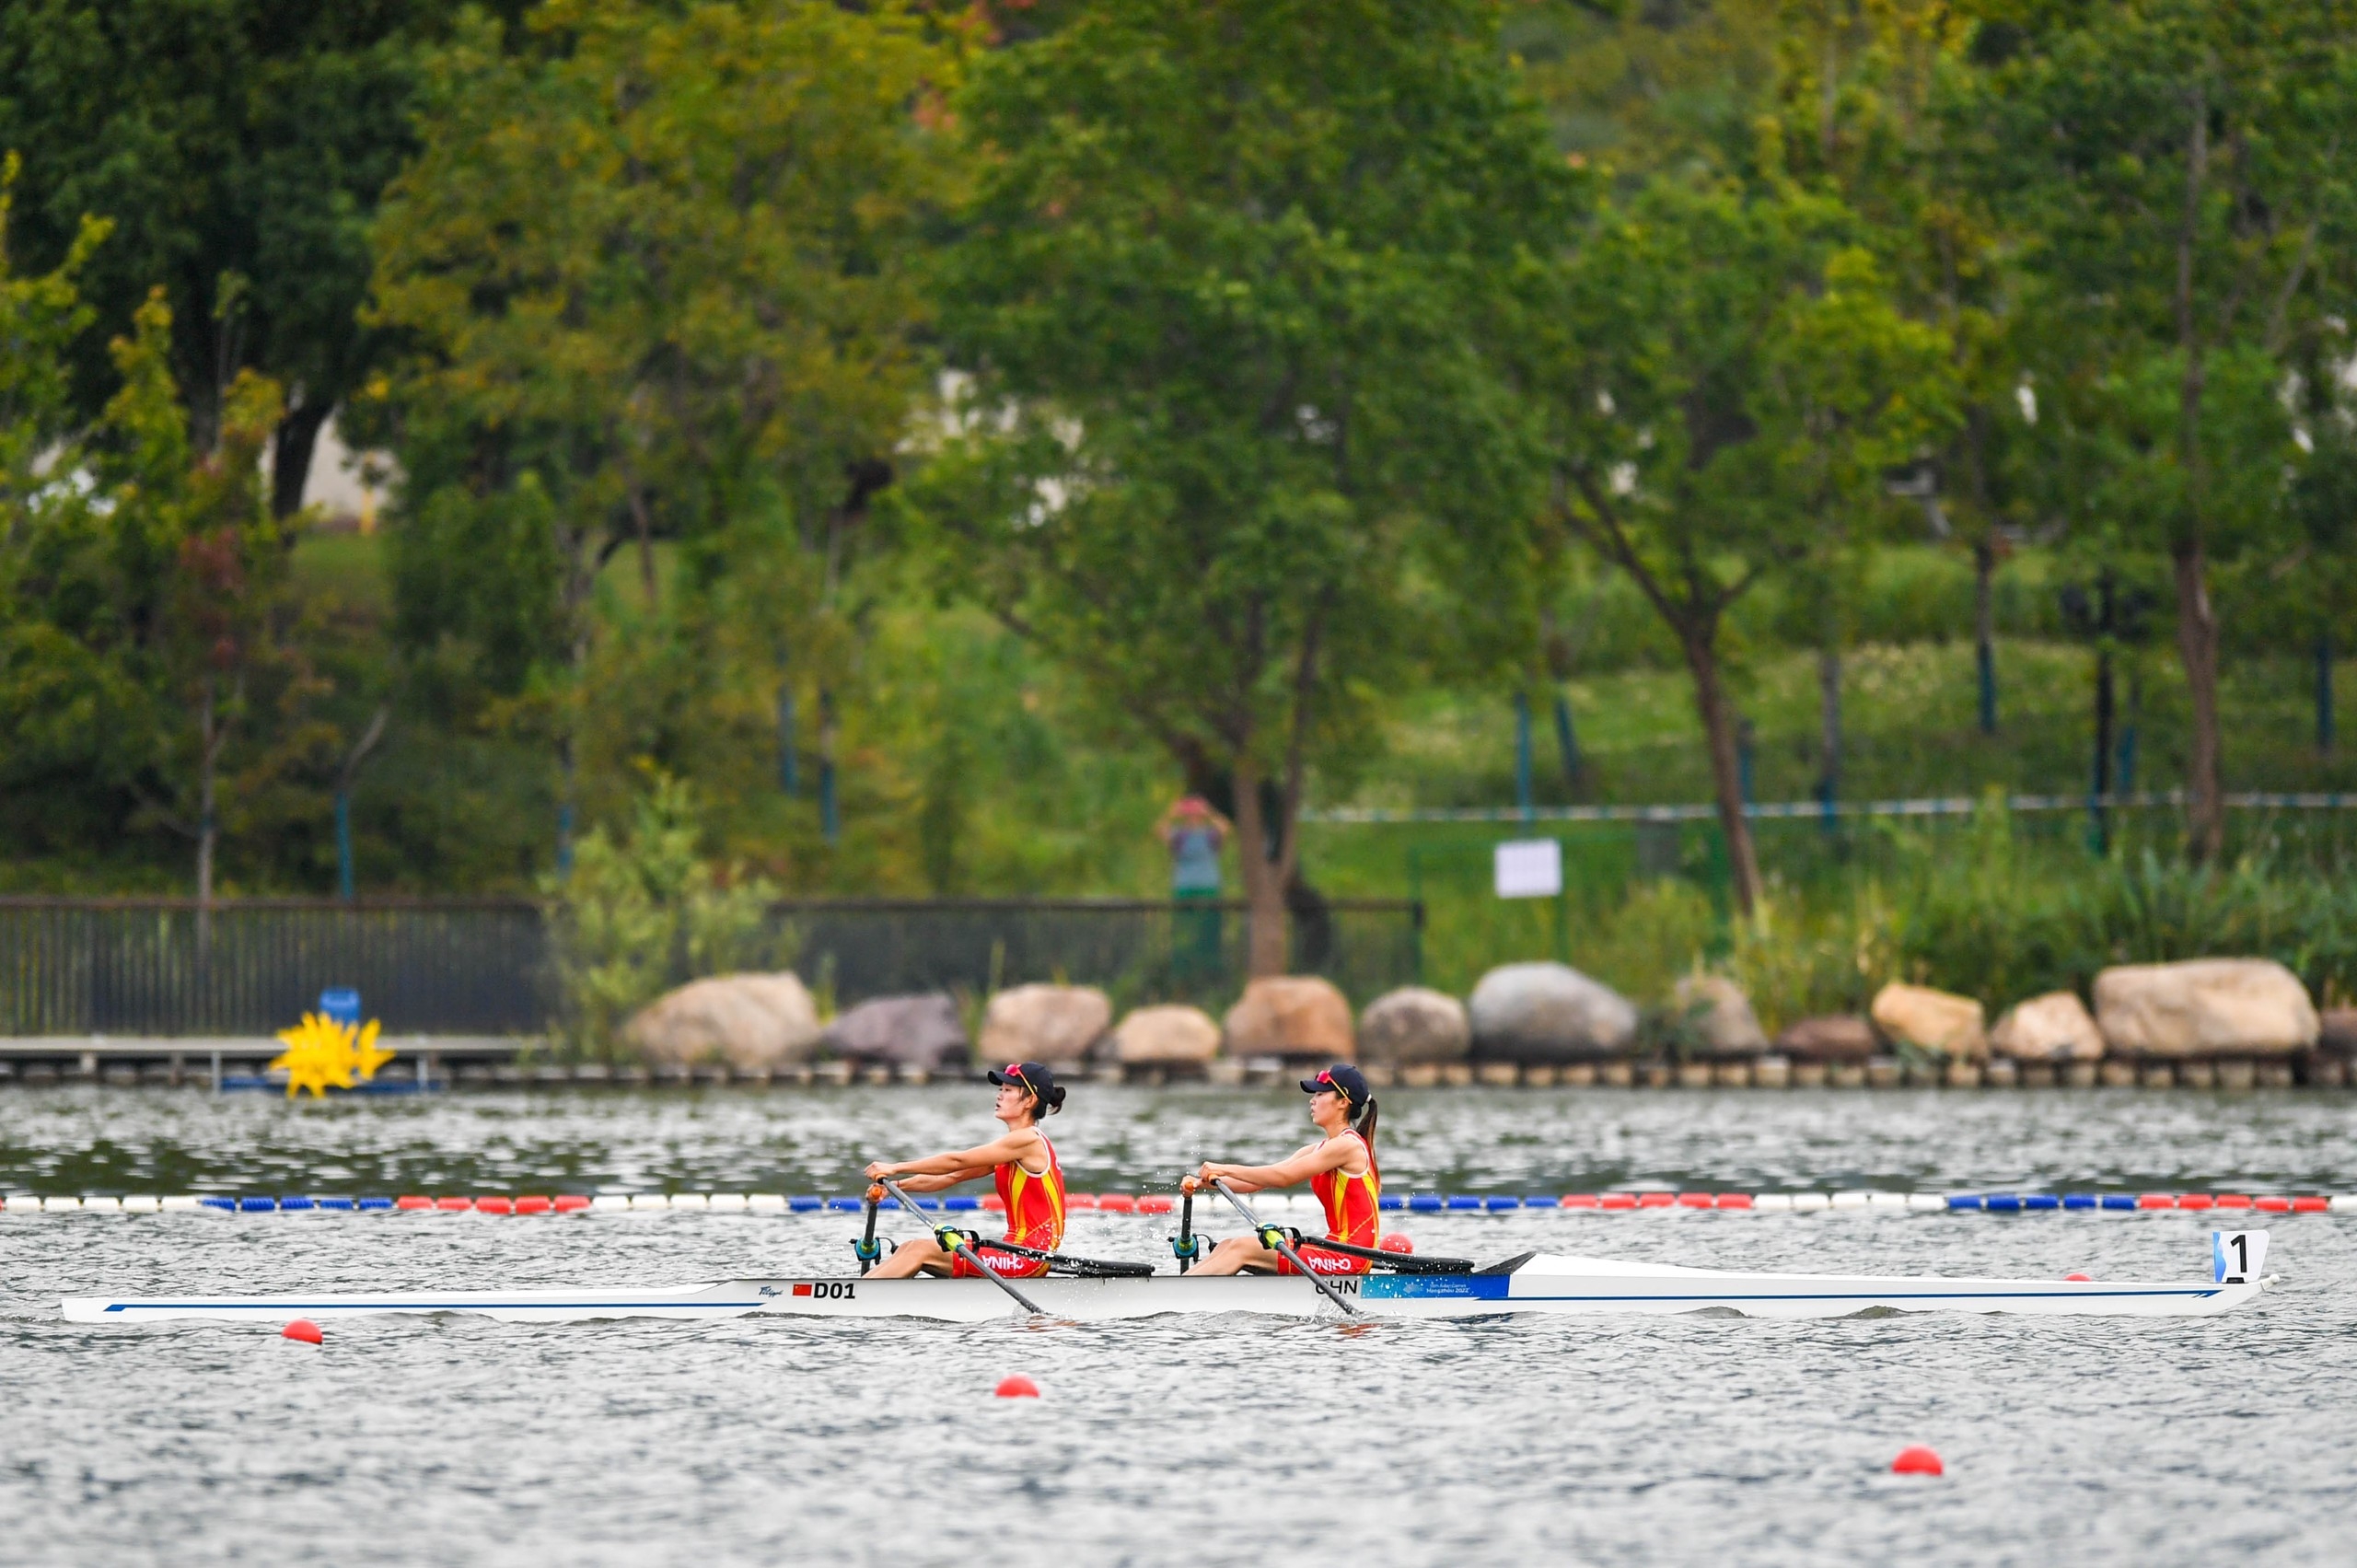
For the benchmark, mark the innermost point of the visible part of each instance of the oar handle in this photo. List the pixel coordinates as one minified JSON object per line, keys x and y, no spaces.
{"x":969,"y":1255}
{"x":1283,"y":1248}
{"x":869,"y":1254}
{"x":1184,"y":1245}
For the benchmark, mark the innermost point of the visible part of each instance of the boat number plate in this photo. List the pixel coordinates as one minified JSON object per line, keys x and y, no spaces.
{"x":2238,"y":1257}
{"x":826,"y":1290}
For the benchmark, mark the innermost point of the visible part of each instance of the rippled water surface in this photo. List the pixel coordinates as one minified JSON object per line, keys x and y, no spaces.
{"x":1213,"y":1440}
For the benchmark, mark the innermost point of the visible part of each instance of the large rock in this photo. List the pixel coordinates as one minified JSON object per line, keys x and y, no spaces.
{"x":1297,"y":1016}
{"x":1548,"y":1012}
{"x":750,"y":1021}
{"x":1931,"y":1020}
{"x":1415,"y":1025}
{"x":2053,"y":1028}
{"x":1044,"y":1023}
{"x":1717,"y":1010}
{"x":2206,"y":1007}
{"x":1835,"y":1038}
{"x":1166,"y":1037}
{"x":912,"y":1031}
{"x":2337,"y":1035}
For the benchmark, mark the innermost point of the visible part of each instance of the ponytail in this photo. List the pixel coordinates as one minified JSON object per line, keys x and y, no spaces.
{"x":1363,"y":1125}
{"x":1053,"y":1103}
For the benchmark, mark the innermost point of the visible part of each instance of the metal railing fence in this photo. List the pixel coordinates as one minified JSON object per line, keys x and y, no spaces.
{"x":163,"y":967}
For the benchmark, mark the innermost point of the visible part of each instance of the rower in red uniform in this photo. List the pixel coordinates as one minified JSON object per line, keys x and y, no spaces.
{"x":1339,"y":1168}
{"x":1030,"y":1182}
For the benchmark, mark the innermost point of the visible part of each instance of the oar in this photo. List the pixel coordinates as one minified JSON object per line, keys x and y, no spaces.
{"x":968,"y":1253}
{"x":1284,"y":1249}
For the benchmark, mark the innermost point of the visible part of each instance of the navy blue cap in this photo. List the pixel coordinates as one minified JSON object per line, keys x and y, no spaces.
{"x":1344,"y":1079}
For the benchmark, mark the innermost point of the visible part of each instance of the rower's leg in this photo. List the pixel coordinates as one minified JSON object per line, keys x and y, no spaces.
{"x":918,"y":1253}
{"x":1236,"y":1254}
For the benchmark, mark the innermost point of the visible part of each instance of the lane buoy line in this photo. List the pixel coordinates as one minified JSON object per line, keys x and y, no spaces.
{"x":1158,"y":1203}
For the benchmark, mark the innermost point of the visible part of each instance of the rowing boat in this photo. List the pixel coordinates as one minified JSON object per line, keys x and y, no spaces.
{"x":1545,"y":1282}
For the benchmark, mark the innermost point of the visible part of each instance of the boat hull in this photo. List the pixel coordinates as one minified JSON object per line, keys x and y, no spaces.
{"x":1546,"y":1284}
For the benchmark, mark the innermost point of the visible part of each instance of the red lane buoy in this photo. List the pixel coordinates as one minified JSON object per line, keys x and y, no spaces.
{"x":1395,"y":1242}
{"x":1017,"y":1386}
{"x":303,"y":1328}
{"x":2081,"y":1279}
{"x":1916,"y":1460}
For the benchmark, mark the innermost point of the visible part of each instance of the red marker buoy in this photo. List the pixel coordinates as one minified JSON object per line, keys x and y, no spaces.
{"x":1015,"y":1387}
{"x":303,"y":1328}
{"x":1917,"y":1459}
{"x":2081,"y":1278}
{"x":1395,"y":1242}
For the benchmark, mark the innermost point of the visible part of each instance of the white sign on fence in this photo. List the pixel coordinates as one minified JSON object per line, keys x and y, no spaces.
{"x":1530,"y":868}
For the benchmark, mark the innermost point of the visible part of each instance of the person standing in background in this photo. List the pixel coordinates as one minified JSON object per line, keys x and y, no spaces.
{"x":1194,"y":833}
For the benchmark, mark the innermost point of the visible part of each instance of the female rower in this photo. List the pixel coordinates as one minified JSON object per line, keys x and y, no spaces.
{"x":1030,"y":1182}
{"x":1339,"y":1168}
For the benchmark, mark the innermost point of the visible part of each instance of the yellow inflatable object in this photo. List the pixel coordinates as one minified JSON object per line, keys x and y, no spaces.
{"x":323,"y":1054}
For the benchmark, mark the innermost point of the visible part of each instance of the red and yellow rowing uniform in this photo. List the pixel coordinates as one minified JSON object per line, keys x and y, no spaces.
{"x":1035,"y":1218}
{"x":1353,"y":1214}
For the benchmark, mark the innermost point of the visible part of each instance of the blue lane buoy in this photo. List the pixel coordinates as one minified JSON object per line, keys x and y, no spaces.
{"x":803,"y":1203}
{"x":1498,"y":1206}
{"x":1463,"y":1200}
{"x":293,"y":1204}
{"x":374,"y":1204}
{"x":962,"y":1200}
{"x":848,"y":1206}
{"x":343,"y":1205}
{"x":256,"y":1205}
{"x":2041,"y":1200}
{"x":1426,"y":1203}
{"x":2004,"y":1203}
{"x":1391,"y":1200}
{"x":2118,"y":1201}
{"x":2078,"y":1199}
{"x":228,"y":1203}
{"x":1964,"y":1200}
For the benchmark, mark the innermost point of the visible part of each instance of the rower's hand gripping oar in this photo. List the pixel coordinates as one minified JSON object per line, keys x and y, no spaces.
{"x":951,"y":1241}
{"x":1274,"y":1238}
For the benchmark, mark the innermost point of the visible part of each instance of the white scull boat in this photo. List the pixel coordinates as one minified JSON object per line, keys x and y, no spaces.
{"x":1536,"y":1283}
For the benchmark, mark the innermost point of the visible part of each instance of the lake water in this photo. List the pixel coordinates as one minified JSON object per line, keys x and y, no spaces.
{"x":1168,"y":1441}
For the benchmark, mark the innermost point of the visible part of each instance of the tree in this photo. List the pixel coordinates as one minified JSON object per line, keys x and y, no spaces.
{"x":150,"y":676}
{"x":1726,"y":379}
{"x":239,"y":147}
{"x":653,"y":261}
{"x":1228,"y":295}
{"x":2174,"y":172}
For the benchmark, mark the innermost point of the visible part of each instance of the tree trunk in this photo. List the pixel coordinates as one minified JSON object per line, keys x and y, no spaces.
{"x":2197,"y":643}
{"x":1727,"y":772}
{"x":1263,"y":878}
{"x":296,"y":439}
{"x":645,"y":527}
{"x":1984,"y":632}
{"x":208,"y":830}
{"x":1829,"y":719}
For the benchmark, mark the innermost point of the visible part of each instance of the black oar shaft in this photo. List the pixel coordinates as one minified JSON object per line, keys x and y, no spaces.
{"x":1285,"y":1248}
{"x":971,"y":1257}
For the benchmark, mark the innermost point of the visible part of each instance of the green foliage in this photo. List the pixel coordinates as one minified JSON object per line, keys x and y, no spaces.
{"x":1230,"y":292}
{"x":645,"y":911}
{"x":656,"y":265}
{"x":237,"y":146}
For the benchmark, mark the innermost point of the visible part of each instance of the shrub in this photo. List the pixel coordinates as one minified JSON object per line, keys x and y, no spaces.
{"x":644,"y":912}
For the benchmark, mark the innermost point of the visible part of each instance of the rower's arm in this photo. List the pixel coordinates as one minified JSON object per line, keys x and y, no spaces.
{"x":963,"y":1164}
{"x":1291,"y":1171}
{"x":943,"y":1183}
